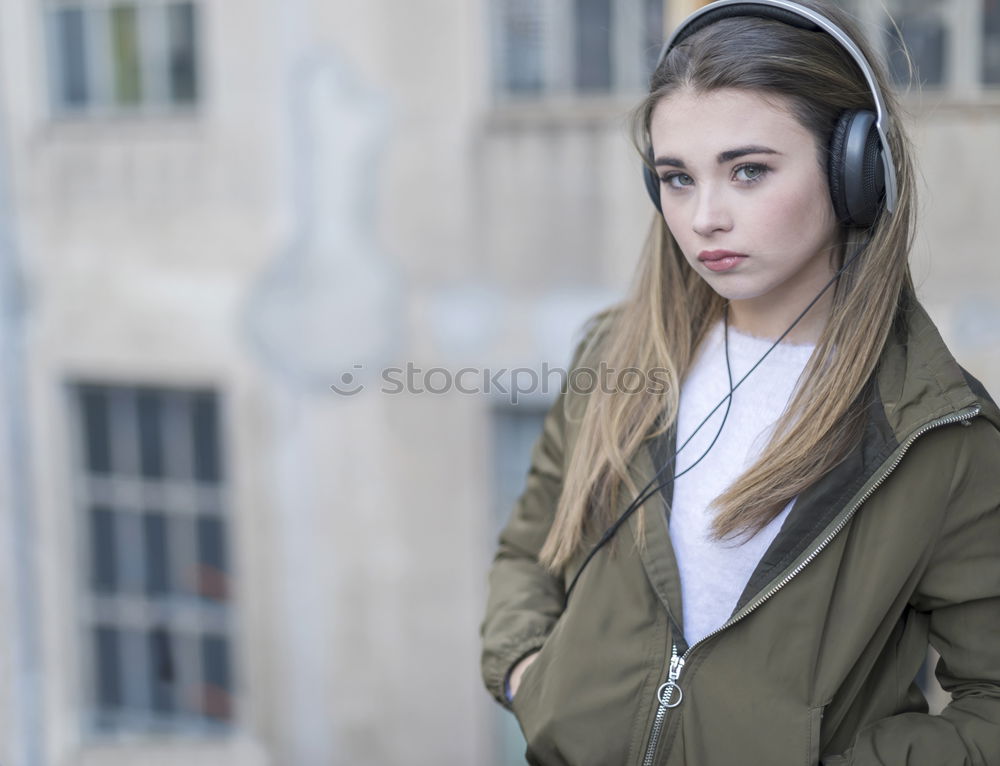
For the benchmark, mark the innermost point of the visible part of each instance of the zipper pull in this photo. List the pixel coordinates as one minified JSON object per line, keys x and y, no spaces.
{"x":665,"y":694}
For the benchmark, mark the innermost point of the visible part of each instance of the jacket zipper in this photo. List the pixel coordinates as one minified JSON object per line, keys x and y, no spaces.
{"x":665,"y":694}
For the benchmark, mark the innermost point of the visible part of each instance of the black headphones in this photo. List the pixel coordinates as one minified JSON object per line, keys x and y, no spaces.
{"x":861,"y":169}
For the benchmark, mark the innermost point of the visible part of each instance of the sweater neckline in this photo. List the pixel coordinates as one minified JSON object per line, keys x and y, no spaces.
{"x":750,"y":339}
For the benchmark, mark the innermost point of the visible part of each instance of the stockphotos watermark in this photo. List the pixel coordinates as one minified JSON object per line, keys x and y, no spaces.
{"x":511,"y":382}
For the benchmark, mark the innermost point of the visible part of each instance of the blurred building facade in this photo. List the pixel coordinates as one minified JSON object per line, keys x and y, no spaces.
{"x":213,"y":212}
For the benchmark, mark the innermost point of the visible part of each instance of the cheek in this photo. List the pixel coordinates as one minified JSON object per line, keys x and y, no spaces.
{"x":675,"y":221}
{"x":688,"y":242}
{"x":800,"y":211}
{"x":678,"y":213}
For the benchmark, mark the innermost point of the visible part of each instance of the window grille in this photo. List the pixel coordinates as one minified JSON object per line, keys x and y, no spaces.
{"x":991,"y":42}
{"x":544,"y":48}
{"x":122,"y":56}
{"x":923,"y":30}
{"x":156,"y":589}
{"x":953,"y":45}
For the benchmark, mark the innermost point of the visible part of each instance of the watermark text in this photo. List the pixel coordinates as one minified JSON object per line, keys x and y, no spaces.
{"x":511,"y":382}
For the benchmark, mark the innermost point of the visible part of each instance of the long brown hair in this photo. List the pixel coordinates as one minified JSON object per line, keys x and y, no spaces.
{"x":670,"y":309}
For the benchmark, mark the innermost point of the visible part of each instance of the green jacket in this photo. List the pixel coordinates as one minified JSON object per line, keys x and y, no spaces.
{"x":896,"y":547}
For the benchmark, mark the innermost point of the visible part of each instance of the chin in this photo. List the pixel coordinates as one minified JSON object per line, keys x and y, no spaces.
{"x":734,"y":289}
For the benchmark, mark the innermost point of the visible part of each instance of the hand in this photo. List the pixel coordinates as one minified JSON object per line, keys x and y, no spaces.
{"x":518,"y":671}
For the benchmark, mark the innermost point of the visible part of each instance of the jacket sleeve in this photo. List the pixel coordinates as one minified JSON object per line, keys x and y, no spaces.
{"x":961,"y":592}
{"x":524,"y":599}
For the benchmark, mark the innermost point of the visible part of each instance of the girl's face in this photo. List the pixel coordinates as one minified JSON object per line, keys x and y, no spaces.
{"x":743,"y":194}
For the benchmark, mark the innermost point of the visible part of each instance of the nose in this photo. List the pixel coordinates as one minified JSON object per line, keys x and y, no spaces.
{"x":711,"y":212}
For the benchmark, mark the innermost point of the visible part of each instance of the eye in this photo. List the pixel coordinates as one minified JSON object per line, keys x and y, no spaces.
{"x":750,"y":172}
{"x":677,"y":180}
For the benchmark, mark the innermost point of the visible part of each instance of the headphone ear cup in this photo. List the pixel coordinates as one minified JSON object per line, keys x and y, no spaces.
{"x":835,"y":167}
{"x":856,"y":173}
{"x":651,"y":180}
{"x":872,"y":179}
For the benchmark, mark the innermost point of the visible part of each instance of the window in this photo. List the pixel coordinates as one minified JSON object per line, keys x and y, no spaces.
{"x":920,"y":31}
{"x":122,"y":56}
{"x":566,"y":47}
{"x":953,"y":45}
{"x":155,"y":600}
{"x":515,"y":430}
{"x":991,"y":42}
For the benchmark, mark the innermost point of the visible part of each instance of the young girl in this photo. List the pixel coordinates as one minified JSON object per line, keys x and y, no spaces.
{"x":746,"y":564}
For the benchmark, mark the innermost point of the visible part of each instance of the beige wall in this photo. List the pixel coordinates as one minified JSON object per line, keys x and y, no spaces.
{"x":362,"y":526}
{"x":953,"y":263}
{"x":680,"y":9}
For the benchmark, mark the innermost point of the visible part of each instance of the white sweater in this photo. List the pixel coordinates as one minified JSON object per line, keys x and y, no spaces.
{"x":714,"y":573}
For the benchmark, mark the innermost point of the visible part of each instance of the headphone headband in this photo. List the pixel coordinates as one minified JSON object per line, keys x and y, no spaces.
{"x":797,"y":15}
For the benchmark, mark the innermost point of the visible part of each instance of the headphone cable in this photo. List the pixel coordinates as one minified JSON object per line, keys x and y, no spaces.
{"x":649,"y":490}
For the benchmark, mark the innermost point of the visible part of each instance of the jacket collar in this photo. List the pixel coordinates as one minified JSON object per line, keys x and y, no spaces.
{"x":919,"y":380}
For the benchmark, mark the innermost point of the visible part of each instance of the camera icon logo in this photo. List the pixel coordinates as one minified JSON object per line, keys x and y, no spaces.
{"x":349,"y":384}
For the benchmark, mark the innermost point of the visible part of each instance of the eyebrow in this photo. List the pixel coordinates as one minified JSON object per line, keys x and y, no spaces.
{"x":726,"y":156}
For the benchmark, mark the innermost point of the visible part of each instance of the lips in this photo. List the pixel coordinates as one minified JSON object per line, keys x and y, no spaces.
{"x":721,"y":260}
